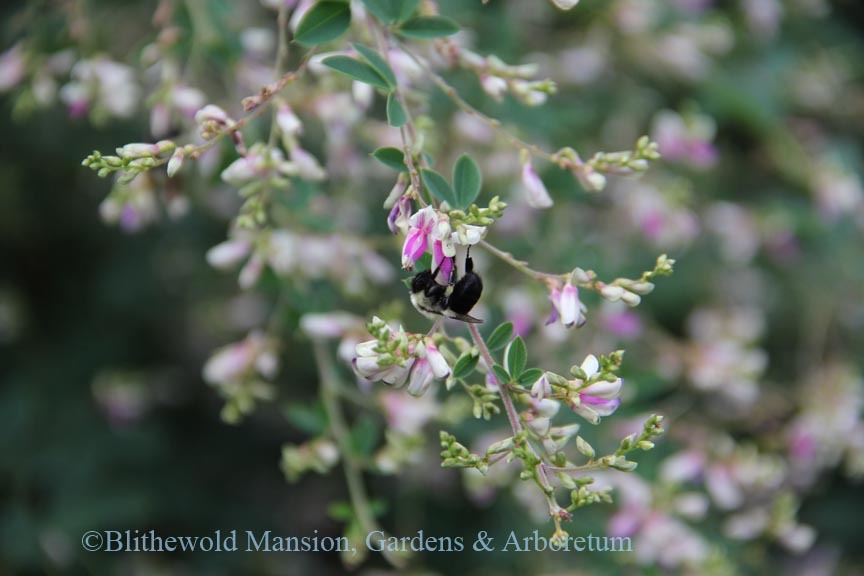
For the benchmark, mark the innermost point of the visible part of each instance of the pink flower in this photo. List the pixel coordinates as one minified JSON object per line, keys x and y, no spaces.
{"x":12,"y":68}
{"x":421,"y":377}
{"x":234,"y":362}
{"x":566,"y":306}
{"x":424,"y":364}
{"x":599,"y":398}
{"x":430,"y":364}
{"x":407,"y":415}
{"x":686,"y":139}
{"x":399,"y":215}
{"x":439,"y":258}
{"x":422,"y":223}
{"x":535,"y":190}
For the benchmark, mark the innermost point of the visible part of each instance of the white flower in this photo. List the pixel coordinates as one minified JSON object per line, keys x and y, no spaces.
{"x":288,"y":122}
{"x":212,"y":113}
{"x":599,"y":398}
{"x":565,"y":4}
{"x":535,"y":190}
{"x":308,"y":167}
{"x":228,"y":254}
{"x":541,"y":388}
{"x":328,"y":325}
{"x":468,"y":234}
{"x":234,"y":362}
{"x":363,"y":94}
{"x":495,"y":86}
{"x":566,"y":306}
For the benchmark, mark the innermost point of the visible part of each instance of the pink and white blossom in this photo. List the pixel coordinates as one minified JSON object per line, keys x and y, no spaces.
{"x":421,"y":225}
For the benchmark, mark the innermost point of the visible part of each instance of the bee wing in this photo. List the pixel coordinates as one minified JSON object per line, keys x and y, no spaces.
{"x":462,"y":317}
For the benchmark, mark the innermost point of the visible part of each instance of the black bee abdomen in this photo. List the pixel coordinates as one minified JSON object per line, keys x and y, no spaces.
{"x":465,"y":293}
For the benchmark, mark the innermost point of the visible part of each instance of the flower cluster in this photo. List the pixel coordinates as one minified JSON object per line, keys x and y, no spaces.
{"x":396,"y":357}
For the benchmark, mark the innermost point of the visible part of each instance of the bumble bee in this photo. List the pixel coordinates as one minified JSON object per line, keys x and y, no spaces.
{"x":455,"y":300}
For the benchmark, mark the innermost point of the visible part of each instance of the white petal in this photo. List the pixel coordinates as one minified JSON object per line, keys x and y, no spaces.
{"x":436,"y":360}
{"x":227,"y":254}
{"x":603,"y":389}
{"x":590,"y":365}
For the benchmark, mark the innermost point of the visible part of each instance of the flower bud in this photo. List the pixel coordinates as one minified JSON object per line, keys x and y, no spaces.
{"x":585,"y":448}
{"x":535,"y":191}
{"x":631,"y":299}
{"x":137,"y":150}
{"x":288,"y":122}
{"x":175,"y":163}
{"x":612,"y":293}
{"x":494,"y":86}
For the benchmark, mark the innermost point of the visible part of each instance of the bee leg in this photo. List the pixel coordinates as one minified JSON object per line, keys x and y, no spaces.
{"x":469,"y":263}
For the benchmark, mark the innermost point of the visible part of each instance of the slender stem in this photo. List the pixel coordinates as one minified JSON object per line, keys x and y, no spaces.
{"x":574,"y":469}
{"x":516,"y":423}
{"x":453,"y":94}
{"x":281,"y":56}
{"x":509,"y":408}
{"x":329,"y":388}
{"x":406,"y":132}
{"x":519,"y":264}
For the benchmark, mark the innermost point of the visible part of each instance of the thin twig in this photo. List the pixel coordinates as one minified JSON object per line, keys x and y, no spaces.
{"x":329,"y":388}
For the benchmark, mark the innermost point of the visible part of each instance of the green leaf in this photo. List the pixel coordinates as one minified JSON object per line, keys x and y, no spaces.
{"x":308,"y":418}
{"x":407,"y":9}
{"x":390,"y":11}
{"x":364,"y":437}
{"x":517,"y":357}
{"x":465,"y":365}
{"x":500,"y":336}
{"x":425,"y":27}
{"x":439,"y":187}
{"x":467,"y":181}
{"x":340,"y":510}
{"x":529,"y":376}
{"x":325,"y":21}
{"x":501,"y":374}
{"x":392,"y":157}
{"x":396,"y":116}
{"x":424,"y":263}
{"x":356,"y":70}
{"x":377,"y":62}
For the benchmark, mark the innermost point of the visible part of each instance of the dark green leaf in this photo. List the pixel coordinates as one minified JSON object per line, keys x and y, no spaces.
{"x":392,"y":157}
{"x":500,"y":336}
{"x":387,"y":11}
{"x":340,"y":510}
{"x":356,"y":70}
{"x":465,"y":365}
{"x":325,"y":21}
{"x":308,"y":418}
{"x":364,"y":436}
{"x":439,"y":187}
{"x":424,"y":263}
{"x":395,"y":113}
{"x":501,"y":374}
{"x":529,"y":376}
{"x":390,"y":11}
{"x":428,"y":27}
{"x":377,"y":62}
{"x":407,"y":8}
{"x":466,"y":181}
{"x":517,"y":357}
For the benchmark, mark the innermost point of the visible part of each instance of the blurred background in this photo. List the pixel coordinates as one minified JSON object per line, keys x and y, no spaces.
{"x":753,"y":345}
